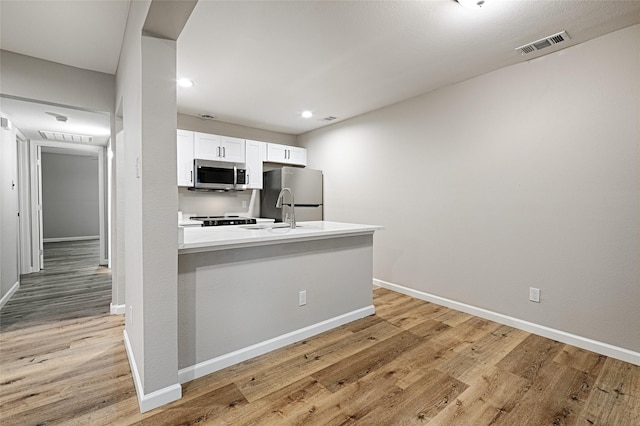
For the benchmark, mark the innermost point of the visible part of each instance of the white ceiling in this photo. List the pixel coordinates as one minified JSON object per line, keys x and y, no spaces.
{"x":30,"y":117}
{"x":261,"y":63}
{"x":85,"y":34}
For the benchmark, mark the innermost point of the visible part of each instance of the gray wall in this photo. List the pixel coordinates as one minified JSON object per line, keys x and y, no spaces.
{"x":70,"y":196}
{"x":526,"y":176}
{"x":9,"y":275}
{"x":41,"y":80}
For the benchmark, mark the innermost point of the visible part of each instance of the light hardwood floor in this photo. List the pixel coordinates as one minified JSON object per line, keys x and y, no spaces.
{"x":412,"y":362}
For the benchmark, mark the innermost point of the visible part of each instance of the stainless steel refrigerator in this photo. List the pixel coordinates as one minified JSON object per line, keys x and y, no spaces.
{"x":306,"y":186}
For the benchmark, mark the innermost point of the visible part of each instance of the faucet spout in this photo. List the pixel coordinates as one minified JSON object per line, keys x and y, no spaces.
{"x":292,"y":221}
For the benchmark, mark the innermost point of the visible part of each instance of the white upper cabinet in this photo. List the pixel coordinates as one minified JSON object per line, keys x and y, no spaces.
{"x":185,"y":158}
{"x":286,"y":154}
{"x":218,"y":148}
{"x":233,"y":149}
{"x":256,"y":155}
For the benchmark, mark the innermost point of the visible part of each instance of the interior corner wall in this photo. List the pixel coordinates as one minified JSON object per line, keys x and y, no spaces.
{"x":70,"y":205}
{"x":145,"y":82}
{"x":159,"y":212}
{"x":128,"y":82}
{"x":524,"y":177}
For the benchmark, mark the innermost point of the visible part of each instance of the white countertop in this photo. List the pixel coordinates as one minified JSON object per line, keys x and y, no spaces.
{"x":197,"y":239}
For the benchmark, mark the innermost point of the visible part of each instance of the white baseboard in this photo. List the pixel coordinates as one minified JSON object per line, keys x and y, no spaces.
{"x":541,"y":330}
{"x":154,"y":399}
{"x":117,"y":309}
{"x":9,"y":294}
{"x":61,"y":239}
{"x":207,"y":367}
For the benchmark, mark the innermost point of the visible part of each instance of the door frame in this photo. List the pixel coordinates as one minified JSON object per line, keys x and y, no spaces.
{"x":35,"y":157}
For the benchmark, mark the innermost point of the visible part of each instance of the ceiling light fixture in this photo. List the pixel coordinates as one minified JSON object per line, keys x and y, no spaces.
{"x":306,"y":114}
{"x":59,"y":117}
{"x":471,"y":4}
{"x":185,"y":82}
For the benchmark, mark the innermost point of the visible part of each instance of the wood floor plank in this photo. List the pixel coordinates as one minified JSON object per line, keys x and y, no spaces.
{"x":556,"y":397}
{"x":358,"y":365}
{"x":348,"y":404}
{"x":487,"y":399}
{"x":484,"y":353}
{"x":308,"y":363}
{"x":62,"y":361}
{"x":615,"y":398}
{"x":530,"y":356}
{"x":206,"y":408}
{"x":418,"y":403}
{"x":581,"y":359}
{"x":281,"y":406}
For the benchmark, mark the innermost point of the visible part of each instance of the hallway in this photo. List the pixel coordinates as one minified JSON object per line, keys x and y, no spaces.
{"x":72,"y":285}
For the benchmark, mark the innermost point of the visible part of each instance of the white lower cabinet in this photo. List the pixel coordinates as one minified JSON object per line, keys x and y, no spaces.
{"x":256,"y":154}
{"x":286,"y":154}
{"x":185,"y":158}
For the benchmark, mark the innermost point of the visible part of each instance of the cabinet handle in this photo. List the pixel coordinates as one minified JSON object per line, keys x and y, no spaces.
{"x":224,"y":152}
{"x":191,"y":176}
{"x":218,"y":152}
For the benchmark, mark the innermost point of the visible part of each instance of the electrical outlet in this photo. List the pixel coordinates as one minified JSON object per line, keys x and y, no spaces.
{"x":534,"y":294}
{"x":244,"y":204}
{"x":302,"y":298}
{"x":130,"y":314}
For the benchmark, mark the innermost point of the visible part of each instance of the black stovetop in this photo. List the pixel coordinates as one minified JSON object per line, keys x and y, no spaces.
{"x":224,"y":220}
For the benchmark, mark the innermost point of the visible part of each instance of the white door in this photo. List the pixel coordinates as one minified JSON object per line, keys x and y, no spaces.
{"x":39,"y":206}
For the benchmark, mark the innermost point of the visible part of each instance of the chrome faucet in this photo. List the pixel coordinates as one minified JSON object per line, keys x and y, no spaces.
{"x":292,"y":221}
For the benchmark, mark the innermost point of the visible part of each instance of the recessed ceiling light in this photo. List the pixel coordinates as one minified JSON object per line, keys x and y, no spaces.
{"x":306,"y":114}
{"x":185,"y":82}
{"x":472,"y":4}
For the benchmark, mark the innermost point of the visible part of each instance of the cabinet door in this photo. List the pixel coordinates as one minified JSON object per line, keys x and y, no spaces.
{"x":232,"y":149}
{"x":286,"y":154}
{"x":185,"y":158}
{"x":276,"y":153}
{"x":207,"y":146}
{"x":297,"y":155}
{"x":256,"y":154}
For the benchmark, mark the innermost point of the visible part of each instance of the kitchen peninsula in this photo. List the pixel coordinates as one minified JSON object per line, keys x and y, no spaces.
{"x":247,"y":290}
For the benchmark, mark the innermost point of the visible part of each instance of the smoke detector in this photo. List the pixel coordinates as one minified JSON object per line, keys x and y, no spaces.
{"x":543,"y":43}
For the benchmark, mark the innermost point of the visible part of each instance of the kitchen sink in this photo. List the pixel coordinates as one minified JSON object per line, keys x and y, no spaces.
{"x":274,"y":226}
{"x":265,"y":226}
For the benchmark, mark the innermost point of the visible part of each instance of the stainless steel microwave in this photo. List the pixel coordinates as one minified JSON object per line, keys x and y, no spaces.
{"x":219,"y":175}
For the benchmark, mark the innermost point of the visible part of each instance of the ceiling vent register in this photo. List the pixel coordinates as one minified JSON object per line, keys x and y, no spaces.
{"x":65,"y":137}
{"x":543,"y":43}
